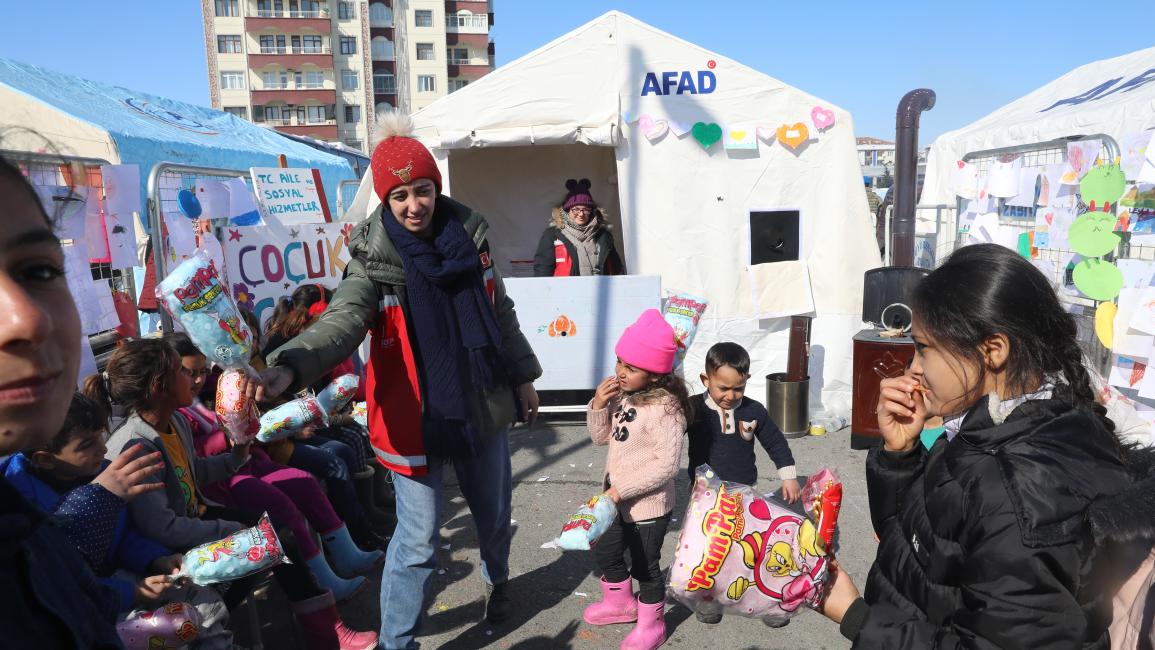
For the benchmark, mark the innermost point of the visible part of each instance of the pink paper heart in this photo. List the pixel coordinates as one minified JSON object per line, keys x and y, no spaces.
{"x":961,"y":164}
{"x":655,"y":129}
{"x":645,"y":123}
{"x":767,"y":134}
{"x":823,"y":118}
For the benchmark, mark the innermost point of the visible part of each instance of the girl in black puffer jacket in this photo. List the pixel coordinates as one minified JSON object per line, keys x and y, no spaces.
{"x":1016,"y":528}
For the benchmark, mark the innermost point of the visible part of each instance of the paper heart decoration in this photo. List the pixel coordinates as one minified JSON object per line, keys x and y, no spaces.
{"x":651,"y":128}
{"x":628,"y":117}
{"x":680,"y":128}
{"x":793,"y":136}
{"x":706,"y":134}
{"x":767,"y":134}
{"x":961,"y":164}
{"x":823,"y":118}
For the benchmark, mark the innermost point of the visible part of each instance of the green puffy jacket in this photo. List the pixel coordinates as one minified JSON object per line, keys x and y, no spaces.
{"x":372,"y":298}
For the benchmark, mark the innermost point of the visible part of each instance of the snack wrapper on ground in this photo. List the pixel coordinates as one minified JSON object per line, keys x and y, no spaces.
{"x":585,"y":526}
{"x":822,"y":499}
{"x":746,"y":554}
{"x":243,"y":553}
{"x":339,"y":393}
{"x":682,"y":312}
{"x":361,"y":413}
{"x":194,"y":295}
{"x":290,"y":418}
{"x":236,"y":411}
{"x":173,"y":626}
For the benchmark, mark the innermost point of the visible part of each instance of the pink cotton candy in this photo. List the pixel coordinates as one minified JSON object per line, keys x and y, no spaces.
{"x":237,"y":413}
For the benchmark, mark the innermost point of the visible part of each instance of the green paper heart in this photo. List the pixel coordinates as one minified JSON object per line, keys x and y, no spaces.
{"x":1102,"y":186}
{"x":1093,"y":234}
{"x":706,"y":134}
{"x":1098,"y":280}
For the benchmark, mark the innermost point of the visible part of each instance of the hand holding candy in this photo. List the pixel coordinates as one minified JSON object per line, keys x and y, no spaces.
{"x":243,"y":553}
{"x":237,"y":412}
{"x":173,"y":626}
{"x":588,"y":524}
{"x":842,"y":594}
{"x":290,"y":418}
{"x":339,"y":393}
{"x":274,"y":381}
{"x":194,"y":295}
{"x":150,"y":590}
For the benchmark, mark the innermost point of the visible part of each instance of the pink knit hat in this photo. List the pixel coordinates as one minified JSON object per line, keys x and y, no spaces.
{"x":648,"y":344}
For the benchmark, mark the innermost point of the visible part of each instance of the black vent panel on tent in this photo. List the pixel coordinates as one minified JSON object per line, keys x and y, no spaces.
{"x":774,"y":236}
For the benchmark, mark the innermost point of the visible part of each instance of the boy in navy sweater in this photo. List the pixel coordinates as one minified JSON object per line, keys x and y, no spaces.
{"x":725,"y":426}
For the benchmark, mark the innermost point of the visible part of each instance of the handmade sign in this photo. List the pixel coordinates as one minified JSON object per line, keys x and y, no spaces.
{"x":243,"y":553}
{"x":706,"y":134}
{"x":1093,"y":234}
{"x":1105,"y":323}
{"x":173,"y":626}
{"x":1102,"y":186}
{"x":746,"y":554}
{"x":289,"y":195}
{"x":822,"y":118}
{"x":740,"y":138}
{"x":1098,"y":279}
{"x":122,"y":199}
{"x":268,"y":262}
{"x":1081,"y":156}
{"x":243,"y":209}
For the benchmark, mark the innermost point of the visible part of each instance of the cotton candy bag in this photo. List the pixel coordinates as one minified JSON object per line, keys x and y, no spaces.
{"x":585,"y":526}
{"x":822,"y":499}
{"x":173,"y":626}
{"x":339,"y":393}
{"x":194,"y":295}
{"x":237,"y":413}
{"x":290,"y":418}
{"x":683,"y":311}
{"x":243,"y":553}
{"x":746,"y":554}
{"x":361,"y":413}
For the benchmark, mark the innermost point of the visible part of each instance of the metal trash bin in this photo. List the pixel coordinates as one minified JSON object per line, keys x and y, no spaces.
{"x":789,"y":404}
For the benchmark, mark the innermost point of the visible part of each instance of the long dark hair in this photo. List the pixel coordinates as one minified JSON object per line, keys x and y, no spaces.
{"x":676,"y":387}
{"x":291,"y":316}
{"x":986,"y":289}
{"x":137,"y":376}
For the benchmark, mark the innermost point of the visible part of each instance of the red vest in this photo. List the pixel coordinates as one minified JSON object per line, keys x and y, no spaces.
{"x":563,"y":265}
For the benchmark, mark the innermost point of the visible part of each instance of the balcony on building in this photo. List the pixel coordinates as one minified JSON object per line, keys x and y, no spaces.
{"x":294,"y":94}
{"x":466,"y":22}
{"x":292,"y":56}
{"x":287,"y":16}
{"x":380,"y":15}
{"x":299,"y":120}
{"x":469,"y":68}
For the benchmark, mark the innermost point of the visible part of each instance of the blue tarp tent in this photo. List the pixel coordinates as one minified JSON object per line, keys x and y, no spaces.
{"x":94,"y":120}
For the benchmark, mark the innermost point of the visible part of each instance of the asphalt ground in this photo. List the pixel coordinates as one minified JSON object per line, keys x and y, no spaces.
{"x":555,"y":469}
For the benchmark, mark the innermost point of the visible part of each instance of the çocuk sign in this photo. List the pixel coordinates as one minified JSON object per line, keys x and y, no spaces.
{"x":682,"y":82}
{"x":269,"y":262}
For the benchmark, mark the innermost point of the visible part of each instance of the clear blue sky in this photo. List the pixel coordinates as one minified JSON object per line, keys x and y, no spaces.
{"x":976,"y":54}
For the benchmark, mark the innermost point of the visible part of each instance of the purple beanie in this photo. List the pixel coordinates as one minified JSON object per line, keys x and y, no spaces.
{"x":579,"y":194}
{"x":648,"y":344}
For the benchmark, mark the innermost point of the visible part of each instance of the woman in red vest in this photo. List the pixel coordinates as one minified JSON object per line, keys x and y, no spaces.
{"x":578,"y":240}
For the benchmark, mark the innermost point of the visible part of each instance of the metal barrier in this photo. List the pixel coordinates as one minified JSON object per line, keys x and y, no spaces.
{"x":346,"y":192}
{"x":165,"y":180}
{"x":1038,"y":156}
{"x":50,"y":170}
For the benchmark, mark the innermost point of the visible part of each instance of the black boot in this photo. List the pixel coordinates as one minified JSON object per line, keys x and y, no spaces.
{"x":363,"y":483}
{"x":498,"y":605}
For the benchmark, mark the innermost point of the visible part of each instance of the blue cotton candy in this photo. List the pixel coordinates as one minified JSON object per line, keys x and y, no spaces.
{"x":587,"y":524}
{"x":290,"y":418}
{"x":339,"y":393}
{"x":243,"y":553}
{"x":194,"y":295}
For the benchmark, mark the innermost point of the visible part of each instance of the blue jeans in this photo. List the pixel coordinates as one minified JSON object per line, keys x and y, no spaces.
{"x":486,"y":484}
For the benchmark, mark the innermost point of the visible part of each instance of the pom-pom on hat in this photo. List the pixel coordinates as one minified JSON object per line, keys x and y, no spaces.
{"x":648,"y":344}
{"x":398,"y":158}
{"x":578,"y":194}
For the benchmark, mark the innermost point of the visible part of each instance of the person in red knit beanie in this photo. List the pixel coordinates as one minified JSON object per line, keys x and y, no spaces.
{"x":641,"y":414}
{"x":449,"y":370}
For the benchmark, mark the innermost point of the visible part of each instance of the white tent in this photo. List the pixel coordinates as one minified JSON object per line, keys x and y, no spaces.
{"x":576,"y":107}
{"x":1113,"y":97}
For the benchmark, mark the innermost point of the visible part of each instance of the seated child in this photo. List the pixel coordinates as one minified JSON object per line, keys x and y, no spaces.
{"x":70,"y":461}
{"x":725,"y":425}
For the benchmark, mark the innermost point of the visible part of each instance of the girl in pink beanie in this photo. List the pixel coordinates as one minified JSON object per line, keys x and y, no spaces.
{"x":641,"y":413}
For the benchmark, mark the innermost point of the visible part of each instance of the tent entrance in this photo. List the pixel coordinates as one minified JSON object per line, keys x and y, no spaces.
{"x":516,"y":189}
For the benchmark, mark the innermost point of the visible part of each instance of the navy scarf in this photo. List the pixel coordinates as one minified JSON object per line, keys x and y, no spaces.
{"x":453,"y":321}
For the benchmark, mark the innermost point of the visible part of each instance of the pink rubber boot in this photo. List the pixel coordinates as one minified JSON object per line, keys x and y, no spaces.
{"x":650,"y":632}
{"x":616,"y":606}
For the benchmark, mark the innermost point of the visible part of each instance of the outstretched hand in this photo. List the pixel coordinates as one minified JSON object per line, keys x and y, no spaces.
{"x":274,"y":381}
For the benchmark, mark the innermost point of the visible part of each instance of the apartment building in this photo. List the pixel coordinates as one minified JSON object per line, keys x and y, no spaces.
{"x":322,"y":68}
